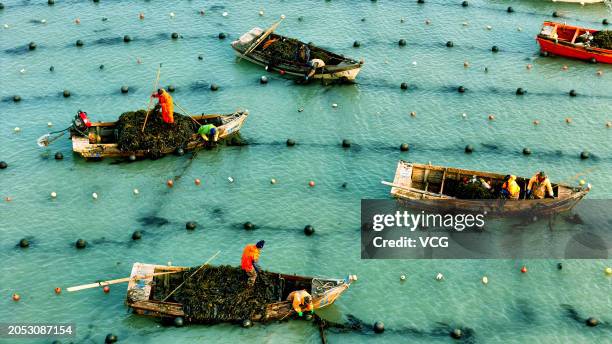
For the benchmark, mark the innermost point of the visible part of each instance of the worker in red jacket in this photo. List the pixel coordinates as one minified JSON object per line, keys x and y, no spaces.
{"x":166,"y":103}
{"x":249,"y":263}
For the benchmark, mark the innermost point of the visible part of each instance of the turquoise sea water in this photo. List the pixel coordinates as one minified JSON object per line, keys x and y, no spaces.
{"x":374,"y":114}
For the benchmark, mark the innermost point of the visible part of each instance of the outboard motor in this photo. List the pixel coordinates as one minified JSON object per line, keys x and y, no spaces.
{"x":81,"y":122}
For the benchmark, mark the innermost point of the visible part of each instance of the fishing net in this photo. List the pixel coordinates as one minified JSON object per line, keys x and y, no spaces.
{"x":602,"y":39}
{"x":158,"y":137}
{"x":219,"y":293}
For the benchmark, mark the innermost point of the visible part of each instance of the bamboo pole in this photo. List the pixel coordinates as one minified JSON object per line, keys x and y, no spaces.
{"x":155,"y":85}
{"x":116,"y":281}
{"x":201,"y":266}
{"x":188,"y":114}
{"x":263,"y":36}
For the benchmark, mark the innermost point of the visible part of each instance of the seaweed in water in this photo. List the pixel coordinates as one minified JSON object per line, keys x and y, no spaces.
{"x":158,"y":137}
{"x":220,"y":293}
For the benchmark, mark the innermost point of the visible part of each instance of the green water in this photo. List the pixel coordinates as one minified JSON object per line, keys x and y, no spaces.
{"x":373,"y":114}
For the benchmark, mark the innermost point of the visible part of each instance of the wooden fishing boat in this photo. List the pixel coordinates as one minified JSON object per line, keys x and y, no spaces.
{"x":100,"y":139}
{"x":423,"y":186}
{"x":258,"y":47}
{"x":140,"y":293}
{"x":582,"y":2}
{"x":565,"y":40}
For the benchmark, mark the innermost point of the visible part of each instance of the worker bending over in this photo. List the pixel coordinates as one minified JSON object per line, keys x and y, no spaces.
{"x":510,"y":189}
{"x":250,"y":259}
{"x":301,"y":301}
{"x":539,"y":186}
{"x":209,"y":133}
{"x":167,"y":105}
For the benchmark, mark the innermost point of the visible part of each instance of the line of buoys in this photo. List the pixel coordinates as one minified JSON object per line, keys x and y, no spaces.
{"x":137,"y":235}
{"x":469,"y":149}
{"x":309,"y":230}
{"x":214,"y":87}
{"x":404,"y":147}
{"x":356,"y":44}
{"x":24,"y":243}
{"x":402,"y":42}
{"x":263,"y":79}
{"x":191,"y":225}
{"x":59,"y":156}
{"x":3,"y":165}
{"x":404,"y":86}
{"x":110,"y":338}
{"x":346,"y":143}
{"x":80,"y":244}
{"x":379,"y":326}
{"x":584,"y":155}
{"x":248,"y":226}
{"x":125,"y":89}
{"x":79,"y":43}
{"x":127,"y":38}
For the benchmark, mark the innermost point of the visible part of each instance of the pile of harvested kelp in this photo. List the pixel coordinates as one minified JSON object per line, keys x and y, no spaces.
{"x":602,"y":39}
{"x":158,"y":137}
{"x":219,"y":293}
{"x":286,"y":49}
{"x":469,"y":190}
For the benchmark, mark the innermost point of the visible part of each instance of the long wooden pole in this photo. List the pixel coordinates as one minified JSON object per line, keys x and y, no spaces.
{"x":116,"y":281}
{"x":263,"y":36}
{"x":188,"y":114}
{"x":151,"y":99}
{"x":201,"y":266}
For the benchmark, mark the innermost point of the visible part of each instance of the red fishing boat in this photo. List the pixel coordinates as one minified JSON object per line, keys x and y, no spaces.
{"x":572,"y":41}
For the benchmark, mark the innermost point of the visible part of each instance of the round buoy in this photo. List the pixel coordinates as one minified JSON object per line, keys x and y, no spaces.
{"x":464,"y":3}
{"x":58,"y":290}
{"x":311,"y":183}
{"x":404,"y":147}
{"x":344,"y":185}
{"x":555,"y":14}
{"x":50,"y":2}
{"x":23,"y":243}
{"x":290,"y":142}
{"x":16,"y":297}
{"x":53,"y":194}
{"x":106,"y":289}
{"x":379,"y":326}
{"x":180,"y":151}
{"x":141,"y":16}
{"x":559,"y":266}
{"x":309,"y":230}
{"x":510,"y":9}
{"x":485,"y":280}
{"x":132,"y":157}
{"x":246,"y":323}
{"x":491,"y":117}
{"x":524,"y":269}
{"x":456,"y":333}
{"x":51,"y":69}
{"x":127,"y":38}
{"x":94,"y":195}
{"x":190,"y":225}
{"x":222,"y":35}
{"x":170,"y":183}
{"x":272,"y":181}
{"x":16,"y":98}
{"x":174,"y":35}
{"x":404,"y":86}
{"x":526,"y":151}
{"x":520,"y":91}
{"x":59,"y":156}
{"x":66,"y":93}
{"x":529,"y":66}
{"x":230,"y":179}
{"x":356,"y":44}
{"x":263,"y":79}
{"x":214,"y":87}
{"x":110,"y":338}
{"x":402,"y":277}
{"x":420,"y":1}
{"x":402,"y":42}
{"x":346,"y":143}
{"x":1,"y":6}
{"x":439,"y":276}
{"x":125,"y":89}
{"x":536,"y":122}
{"x":200,"y":57}
{"x":592,"y":322}
{"x":80,"y":244}
{"x":573,"y":93}
{"x":137,"y":235}
{"x":197,"y":181}
{"x":605,"y":21}
{"x":179,"y":322}
{"x":450,"y":44}
{"x":584,"y":155}
{"x":469,"y":149}
{"x":461,"y":89}
{"x":171,"y":88}
{"x":3,"y":165}
{"x":248,"y":225}
{"x":608,"y":271}
{"x":494,"y":48}
{"x":412,"y":114}
{"x":32,"y":46}
{"x":80,"y":43}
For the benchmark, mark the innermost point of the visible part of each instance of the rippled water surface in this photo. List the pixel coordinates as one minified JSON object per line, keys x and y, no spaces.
{"x":374,"y":114}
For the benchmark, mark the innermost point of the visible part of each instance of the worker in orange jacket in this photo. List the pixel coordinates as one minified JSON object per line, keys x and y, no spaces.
{"x":301,"y":301}
{"x":250,"y":259}
{"x":166,"y":103}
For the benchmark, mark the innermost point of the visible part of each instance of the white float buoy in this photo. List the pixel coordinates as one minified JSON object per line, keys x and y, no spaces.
{"x":6,"y":26}
{"x":489,"y":27}
{"x":261,"y":13}
{"x":414,"y":63}
{"x":465,"y":24}
{"x":334,"y":105}
{"x":272,"y":181}
{"x":402,"y":277}
{"x":49,"y":124}
{"x":53,"y":194}
{"x":464,"y":115}
{"x":283,"y":16}
{"x":224,"y":14}
{"x":94,"y":195}
{"x":172,"y":14}
{"x":136,"y":192}
{"x":439,"y":276}
{"x":519,"y":29}
{"x":43,"y":21}
{"x":230,"y":179}
{"x":608,"y":271}
{"x":485,"y":280}
{"x":22,"y":70}
{"x":17,"y":129}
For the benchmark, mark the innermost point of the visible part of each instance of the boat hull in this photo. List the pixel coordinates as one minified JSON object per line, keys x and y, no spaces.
{"x":573,"y":52}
